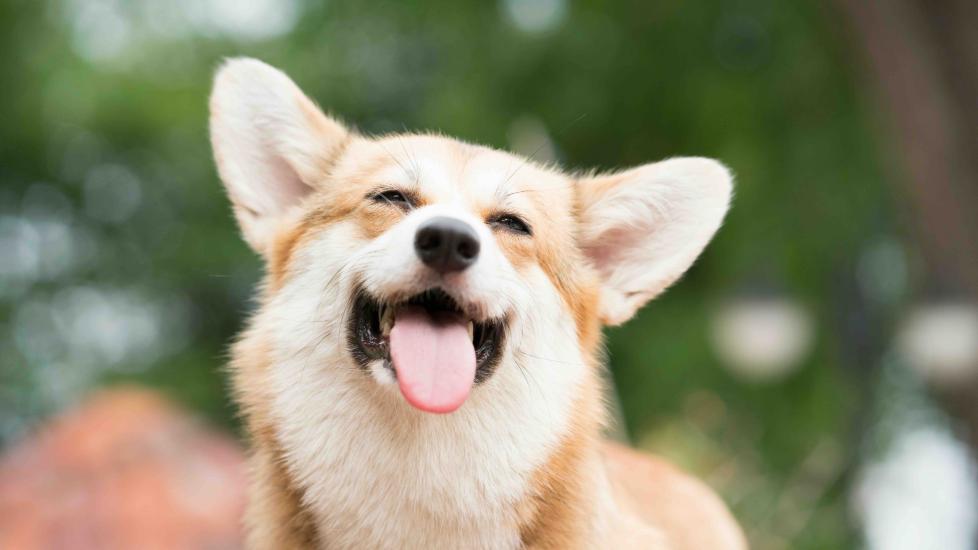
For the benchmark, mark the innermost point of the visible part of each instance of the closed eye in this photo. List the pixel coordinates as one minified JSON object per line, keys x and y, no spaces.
{"x":510,"y":222}
{"x":395,"y":198}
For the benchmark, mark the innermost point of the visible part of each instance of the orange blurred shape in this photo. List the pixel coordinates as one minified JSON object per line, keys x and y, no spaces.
{"x":126,"y":469}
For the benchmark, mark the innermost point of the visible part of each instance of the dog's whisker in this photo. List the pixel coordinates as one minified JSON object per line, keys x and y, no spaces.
{"x":407,"y":172}
{"x":416,"y":167}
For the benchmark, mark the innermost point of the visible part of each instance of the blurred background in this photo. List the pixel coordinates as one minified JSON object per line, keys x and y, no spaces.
{"x":818,"y":366}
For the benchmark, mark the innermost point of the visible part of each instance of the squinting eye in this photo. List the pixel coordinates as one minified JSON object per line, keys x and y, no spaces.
{"x":512,"y":223}
{"x":394,"y":198}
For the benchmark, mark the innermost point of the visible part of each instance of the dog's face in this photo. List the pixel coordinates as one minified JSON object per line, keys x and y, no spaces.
{"x":432,"y":265}
{"x":445,"y":248}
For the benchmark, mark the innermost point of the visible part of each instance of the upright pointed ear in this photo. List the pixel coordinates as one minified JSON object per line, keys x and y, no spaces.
{"x":644,"y":227}
{"x":271,"y":143}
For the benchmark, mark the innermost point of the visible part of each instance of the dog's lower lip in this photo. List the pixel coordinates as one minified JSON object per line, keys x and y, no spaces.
{"x":370,"y":321}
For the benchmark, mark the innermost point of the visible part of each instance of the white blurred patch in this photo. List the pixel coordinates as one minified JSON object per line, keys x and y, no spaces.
{"x":920,"y":496}
{"x":71,"y":337}
{"x":535,"y":15}
{"x":106,"y":327}
{"x":39,"y":248}
{"x":100,"y":29}
{"x":252,"y":20}
{"x":19,"y":248}
{"x":110,"y":31}
{"x":99,"y":326}
{"x":762,"y":339}
{"x":940,"y":341}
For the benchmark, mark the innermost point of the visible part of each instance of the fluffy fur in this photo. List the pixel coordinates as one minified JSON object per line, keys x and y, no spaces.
{"x":339,"y":459}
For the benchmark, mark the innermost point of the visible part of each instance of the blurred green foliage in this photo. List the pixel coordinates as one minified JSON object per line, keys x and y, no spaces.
{"x":767,"y":86}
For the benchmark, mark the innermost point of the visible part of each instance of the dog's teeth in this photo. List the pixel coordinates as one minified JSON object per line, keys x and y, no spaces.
{"x":386,"y":320}
{"x":471,"y":328}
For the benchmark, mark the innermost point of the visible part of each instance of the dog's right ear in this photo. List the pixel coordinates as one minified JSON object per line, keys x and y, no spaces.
{"x":271,"y":143}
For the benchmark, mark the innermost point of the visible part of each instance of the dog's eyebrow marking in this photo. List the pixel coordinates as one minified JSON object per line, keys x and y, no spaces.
{"x":503,"y":202}
{"x":503,"y":197}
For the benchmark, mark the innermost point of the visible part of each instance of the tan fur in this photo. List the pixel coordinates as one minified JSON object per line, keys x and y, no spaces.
{"x":584,"y":493}
{"x":561,"y":493}
{"x":687,"y":512}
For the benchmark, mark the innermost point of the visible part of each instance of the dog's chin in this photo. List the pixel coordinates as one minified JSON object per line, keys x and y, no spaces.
{"x":372,"y":318}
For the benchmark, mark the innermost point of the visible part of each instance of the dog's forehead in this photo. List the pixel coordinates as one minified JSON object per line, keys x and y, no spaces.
{"x":448,"y":170}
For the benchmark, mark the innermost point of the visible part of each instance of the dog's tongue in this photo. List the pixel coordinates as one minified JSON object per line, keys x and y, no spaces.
{"x":434,"y":358}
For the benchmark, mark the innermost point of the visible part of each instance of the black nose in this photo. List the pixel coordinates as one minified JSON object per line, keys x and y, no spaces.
{"x":446,"y":244}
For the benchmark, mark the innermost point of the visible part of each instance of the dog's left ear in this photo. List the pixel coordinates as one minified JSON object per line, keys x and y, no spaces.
{"x":644,"y":227}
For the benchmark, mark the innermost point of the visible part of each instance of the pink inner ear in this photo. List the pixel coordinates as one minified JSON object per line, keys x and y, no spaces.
{"x":288,"y":188}
{"x":259,"y":178}
{"x":612,"y":247}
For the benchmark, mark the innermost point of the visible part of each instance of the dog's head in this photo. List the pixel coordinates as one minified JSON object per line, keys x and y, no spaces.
{"x":439,"y":265}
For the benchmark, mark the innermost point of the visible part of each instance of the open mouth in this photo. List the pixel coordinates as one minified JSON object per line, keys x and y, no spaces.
{"x":435,"y":350}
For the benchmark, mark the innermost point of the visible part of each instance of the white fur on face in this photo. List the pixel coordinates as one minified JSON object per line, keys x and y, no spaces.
{"x":378,"y":473}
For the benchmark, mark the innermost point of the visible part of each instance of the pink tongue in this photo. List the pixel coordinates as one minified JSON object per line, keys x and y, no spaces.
{"x":433,"y":357}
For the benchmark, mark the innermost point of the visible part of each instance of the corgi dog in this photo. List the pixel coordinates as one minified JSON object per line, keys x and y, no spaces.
{"x":423,"y":369}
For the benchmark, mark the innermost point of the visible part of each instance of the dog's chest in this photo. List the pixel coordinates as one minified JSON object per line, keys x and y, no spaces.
{"x":386,"y":514}
{"x":381,"y":478}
